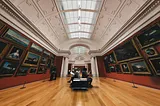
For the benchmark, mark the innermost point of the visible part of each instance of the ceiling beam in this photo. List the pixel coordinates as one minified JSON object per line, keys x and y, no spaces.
{"x":79,"y":32}
{"x":81,"y":23}
{"x":71,"y":10}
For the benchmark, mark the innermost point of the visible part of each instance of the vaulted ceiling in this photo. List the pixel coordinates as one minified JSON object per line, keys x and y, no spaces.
{"x":66,"y":23}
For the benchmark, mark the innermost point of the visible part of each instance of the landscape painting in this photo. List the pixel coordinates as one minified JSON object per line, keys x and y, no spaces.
{"x":126,"y":51}
{"x":36,"y":47}
{"x":8,"y":68}
{"x":22,"y":71}
{"x":31,"y":59}
{"x":155,"y":62}
{"x":139,"y":67}
{"x":16,"y":38}
{"x":149,"y":36}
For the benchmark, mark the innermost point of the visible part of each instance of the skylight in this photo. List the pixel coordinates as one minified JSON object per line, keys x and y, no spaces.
{"x":79,"y":16}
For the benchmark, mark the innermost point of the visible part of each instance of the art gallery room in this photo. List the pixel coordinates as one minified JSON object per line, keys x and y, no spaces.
{"x":79,"y":52}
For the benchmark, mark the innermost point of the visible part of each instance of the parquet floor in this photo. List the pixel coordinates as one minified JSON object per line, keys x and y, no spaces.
{"x":105,"y":92}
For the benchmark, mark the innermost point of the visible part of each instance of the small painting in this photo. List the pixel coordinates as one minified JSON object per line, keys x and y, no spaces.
{"x":139,"y":67}
{"x":33,"y":70}
{"x":155,"y":62}
{"x":125,"y":68}
{"x":43,"y":60}
{"x":149,"y":36}
{"x":1,"y":25}
{"x":16,"y":38}
{"x":15,"y":53}
{"x":8,"y":68}
{"x":111,"y":58}
{"x":22,"y":71}
{"x":36,"y":47}
{"x":112,"y":69}
{"x":42,"y":70}
{"x":31,"y":59}
{"x":48,"y":63}
{"x":117,"y":68}
{"x":151,"y":52}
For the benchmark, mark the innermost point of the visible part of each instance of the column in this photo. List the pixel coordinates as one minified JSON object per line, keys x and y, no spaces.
{"x":62,"y":67}
{"x":65,"y":70}
{"x":93,"y":67}
{"x":96,"y":67}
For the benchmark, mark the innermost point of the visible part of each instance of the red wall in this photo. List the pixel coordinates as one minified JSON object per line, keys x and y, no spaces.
{"x":101,"y":67}
{"x":58,"y":63}
{"x":18,"y":80}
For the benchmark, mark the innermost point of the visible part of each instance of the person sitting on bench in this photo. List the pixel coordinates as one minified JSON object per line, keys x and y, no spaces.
{"x":88,"y":76}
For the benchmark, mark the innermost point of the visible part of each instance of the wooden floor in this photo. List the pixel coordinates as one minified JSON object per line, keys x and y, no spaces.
{"x":105,"y":92}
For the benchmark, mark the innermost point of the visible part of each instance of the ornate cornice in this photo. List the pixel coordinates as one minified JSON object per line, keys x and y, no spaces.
{"x":8,"y":7}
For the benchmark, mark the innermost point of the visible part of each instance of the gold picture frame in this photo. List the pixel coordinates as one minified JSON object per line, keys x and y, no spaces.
{"x":125,"y":68}
{"x":155,"y":63}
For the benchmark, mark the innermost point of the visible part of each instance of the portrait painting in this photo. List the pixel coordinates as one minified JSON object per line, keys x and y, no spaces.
{"x":32,"y":70}
{"x":48,"y":63}
{"x":15,"y":53}
{"x":3,"y":45}
{"x":36,"y":47}
{"x":16,"y":38}
{"x":155,"y":62}
{"x":42,"y":69}
{"x":150,"y":51}
{"x":139,"y":67}
{"x":8,"y":68}
{"x":125,"y":68}
{"x":149,"y":36}
{"x":111,"y":58}
{"x":112,"y":69}
{"x":22,"y":71}
{"x":31,"y":59}
{"x":126,"y":51}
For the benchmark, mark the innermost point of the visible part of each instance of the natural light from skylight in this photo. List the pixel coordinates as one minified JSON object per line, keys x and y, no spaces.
{"x":79,"y":16}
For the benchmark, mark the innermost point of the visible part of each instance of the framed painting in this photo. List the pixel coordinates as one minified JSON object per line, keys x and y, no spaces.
{"x":112,"y":68}
{"x":125,"y":68}
{"x":127,"y":51}
{"x":111,"y":58}
{"x":149,"y":36}
{"x":32,"y":70}
{"x":155,"y":62}
{"x":1,"y":25}
{"x":8,"y":68}
{"x":106,"y":63}
{"x":16,"y":38}
{"x":48,"y":63}
{"x":46,"y":53}
{"x":117,"y":68}
{"x":3,"y":47}
{"x":35,"y":47}
{"x":31,"y":59}
{"x":43,"y":60}
{"x":139,"y":67}
{"x":15,"y":53}
{"x":150,"y":52}
{"x":22,"y":71}
{"x":42,"y":69}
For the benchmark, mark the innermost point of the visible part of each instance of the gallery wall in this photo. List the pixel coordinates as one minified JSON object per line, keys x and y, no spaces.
{"x":137,"y":59}
{"x":21,"y":59}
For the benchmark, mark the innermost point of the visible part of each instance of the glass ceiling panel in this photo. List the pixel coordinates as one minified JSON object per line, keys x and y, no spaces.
{"x":79,"y":16}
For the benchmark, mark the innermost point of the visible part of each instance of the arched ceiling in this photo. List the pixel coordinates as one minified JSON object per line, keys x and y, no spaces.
{"x":66,"y":23}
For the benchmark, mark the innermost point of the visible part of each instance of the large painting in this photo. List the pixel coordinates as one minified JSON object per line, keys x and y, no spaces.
{"x":125,"y":68}
{"x":36,"y":47}
{"x":16,"y":38}
{"x":8,"y":68}
{"x":126,"y":51}
{"x":139,"y":67}
{"x":31,"y":59}
{"x":149,"y":36}
{"x":22,"y":71}
{"x":3,"y":45}
{"x":15,"y":53}
{"x":155,"y":62}
{"x":150,"y":51}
